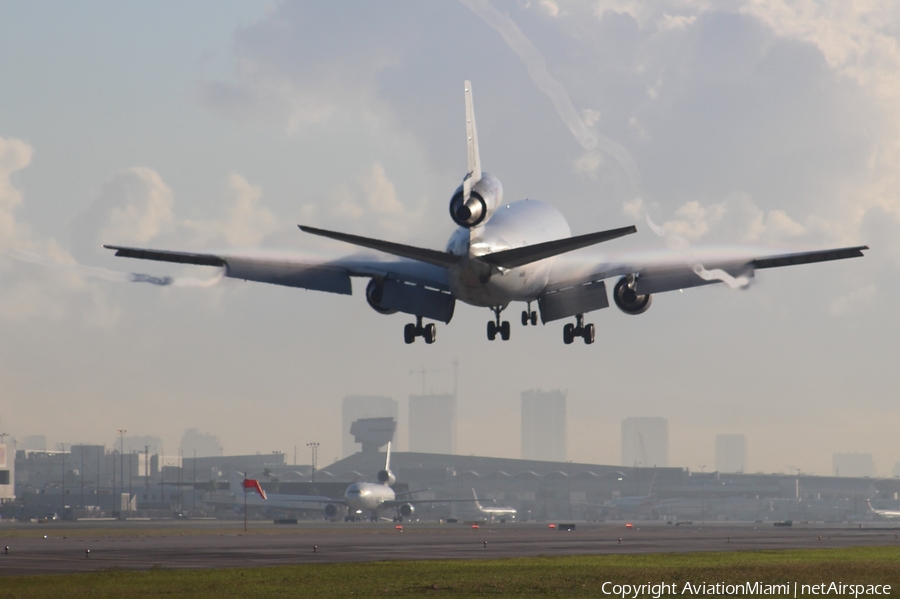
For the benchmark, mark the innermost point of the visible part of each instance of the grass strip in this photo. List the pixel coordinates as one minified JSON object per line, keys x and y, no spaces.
{"x":573,"y":576}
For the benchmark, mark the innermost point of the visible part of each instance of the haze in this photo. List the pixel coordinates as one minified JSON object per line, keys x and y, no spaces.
{"x":217,"y":124}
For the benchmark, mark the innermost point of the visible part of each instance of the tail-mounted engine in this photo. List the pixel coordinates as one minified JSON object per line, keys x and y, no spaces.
{"x":628,"y":300}
{"x":486,"y":196}
{"x":374,"y":295}
{"x":406,"y":510}
{"x":386,"y":477}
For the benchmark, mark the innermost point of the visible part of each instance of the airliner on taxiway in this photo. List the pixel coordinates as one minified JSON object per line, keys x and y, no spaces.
{"x":501,"y":253}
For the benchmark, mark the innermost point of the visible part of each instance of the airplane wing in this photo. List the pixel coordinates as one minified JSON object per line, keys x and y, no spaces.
{"x":577,"y":283}
{"x":295,"y":270}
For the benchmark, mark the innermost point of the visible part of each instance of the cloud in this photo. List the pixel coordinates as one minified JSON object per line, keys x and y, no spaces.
{"x":245,"y":223}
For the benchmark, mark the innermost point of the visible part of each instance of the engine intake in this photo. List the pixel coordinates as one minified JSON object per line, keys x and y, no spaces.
{"x":628,"y":300}
{"x":331,"y":510}
{"x":406,"y":510}
{"x":374,"y":295}
{"x":386,"y":477}
{"x":486,"y":196}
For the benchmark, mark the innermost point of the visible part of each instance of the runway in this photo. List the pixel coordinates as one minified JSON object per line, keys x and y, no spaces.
{"x":129,"y":546}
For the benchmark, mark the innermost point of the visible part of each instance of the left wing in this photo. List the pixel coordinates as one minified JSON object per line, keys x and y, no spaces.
{"x":577,"y":283}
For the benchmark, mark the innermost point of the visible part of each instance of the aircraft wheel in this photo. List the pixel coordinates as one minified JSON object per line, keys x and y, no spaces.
{"x":491,"y":330}
{"x":430,"y":333}
{"x":504,"y":330}
{"x":525,"y":318}
{"x":589,"y":332}
{"x":534,"y":319}
{"x":568,"y":333}
{"x":409,"y":333}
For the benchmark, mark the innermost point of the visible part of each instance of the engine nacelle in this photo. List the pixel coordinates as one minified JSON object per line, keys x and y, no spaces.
{"x":331,"y":510}
{"x":628,"y":300}
{"x":374,"y":294}
{"x":406,"y":510}
{"x":386,"y":477}
{"x":485,"y":198}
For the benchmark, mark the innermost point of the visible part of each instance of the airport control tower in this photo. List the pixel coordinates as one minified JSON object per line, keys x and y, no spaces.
{"x":373,"y":433}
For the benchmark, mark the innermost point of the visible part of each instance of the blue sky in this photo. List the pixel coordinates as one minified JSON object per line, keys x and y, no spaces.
{"x":214,"y":124}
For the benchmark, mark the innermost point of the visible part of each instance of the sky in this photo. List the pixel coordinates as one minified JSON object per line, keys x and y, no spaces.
{"x":213,"y":125}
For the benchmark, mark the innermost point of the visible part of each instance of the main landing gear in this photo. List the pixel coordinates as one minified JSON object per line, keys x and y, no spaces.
{"x":495,"y":326}
{"x":529,"y":316}
{"x":579,"y":329}
{"x":411,"y":331}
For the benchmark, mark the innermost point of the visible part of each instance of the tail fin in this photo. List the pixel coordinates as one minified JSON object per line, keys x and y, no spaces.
{"x":236,"y":484}
{"x":387,"y":458}
{"x":474,"y":161}
{"x":477,"y":504}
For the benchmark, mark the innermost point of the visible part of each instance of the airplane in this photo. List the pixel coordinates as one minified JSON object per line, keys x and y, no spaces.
{"x":247,"y":492}
{"x":361,"y":497}
{"x":885,"y":514}
{"x":499,"y":511}
{"x":500,"y":253}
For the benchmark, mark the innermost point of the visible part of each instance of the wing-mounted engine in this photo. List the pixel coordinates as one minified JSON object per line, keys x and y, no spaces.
{"x":375,"y":296}
{"x":407,"y":510}
{"x":627,"y":298}
{"x":485,"y":197}
{"x":386,"y":477}
{"x":331,"y":510}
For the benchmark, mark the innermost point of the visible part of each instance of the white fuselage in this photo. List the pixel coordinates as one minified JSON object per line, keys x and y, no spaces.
{"x":522,"y":223}
{"x":367,"y":497}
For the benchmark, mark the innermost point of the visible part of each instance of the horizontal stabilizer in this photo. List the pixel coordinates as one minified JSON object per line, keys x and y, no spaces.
{"x":539,"y":251}
{"x":405,"y":251}
{"x":167,"y":256}
{"x":809,"y":257}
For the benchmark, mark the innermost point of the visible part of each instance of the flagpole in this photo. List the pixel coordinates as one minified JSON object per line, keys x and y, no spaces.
{"x":245,"y":501}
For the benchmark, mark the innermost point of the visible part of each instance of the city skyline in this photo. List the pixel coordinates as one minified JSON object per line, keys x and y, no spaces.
{"x":226,"y":124}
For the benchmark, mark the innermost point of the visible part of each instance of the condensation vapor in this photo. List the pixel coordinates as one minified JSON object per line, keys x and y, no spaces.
{"x":106,"y":274}
{"x":682,"y":246}
{"x":537,"y":70}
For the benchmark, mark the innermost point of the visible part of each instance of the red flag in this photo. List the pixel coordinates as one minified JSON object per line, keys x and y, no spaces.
{"x":250,"y":483}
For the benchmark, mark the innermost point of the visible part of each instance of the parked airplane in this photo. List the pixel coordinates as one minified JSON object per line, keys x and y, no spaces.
{"x":492,"y":511}
{"x":885,"y":514}
{"x":501,"y":253}
{"x":247,"y":492}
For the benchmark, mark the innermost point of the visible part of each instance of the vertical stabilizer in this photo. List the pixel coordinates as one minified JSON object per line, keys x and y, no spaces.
{"x":477,"y":504}
{"x":387,"y":458}
{"x":474,"y":174}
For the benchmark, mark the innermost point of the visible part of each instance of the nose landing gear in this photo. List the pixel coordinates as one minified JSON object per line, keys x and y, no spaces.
{"x":411,"y":331}
{"x":495,"y":326}
{"x":579,"y":329}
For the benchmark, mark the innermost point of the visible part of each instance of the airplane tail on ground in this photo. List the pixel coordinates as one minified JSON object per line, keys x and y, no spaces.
{"x":477,"y":504}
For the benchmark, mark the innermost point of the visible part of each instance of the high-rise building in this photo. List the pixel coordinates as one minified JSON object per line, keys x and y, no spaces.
{"x":544,"y":425}
{"x":7,"y":473}
{"x":33,"y":442}
{"x":356,"y":407}
{"x":432,"y":423}
{"x":731,"y":453}
{"x":853,"y":464}
{"x":645,"y":442}
{"x":201,"y":445}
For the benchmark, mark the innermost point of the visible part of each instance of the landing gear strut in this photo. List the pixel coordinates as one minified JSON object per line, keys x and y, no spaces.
{"x":529,"y":316}
{"x":579,"y":329}
{"x":411,"y":331}
{"x":495,"y":326}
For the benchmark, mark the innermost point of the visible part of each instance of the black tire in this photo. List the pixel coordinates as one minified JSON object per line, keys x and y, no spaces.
{"x":589,"y":332}
{"x":534,"y":319}
{"x":525,"y":318}
{"x":568,"y":333}
{"x":430,"y":333}
{"x":409,"y":333}
{"x":491,"y":330}
{"x":504,"y":330}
